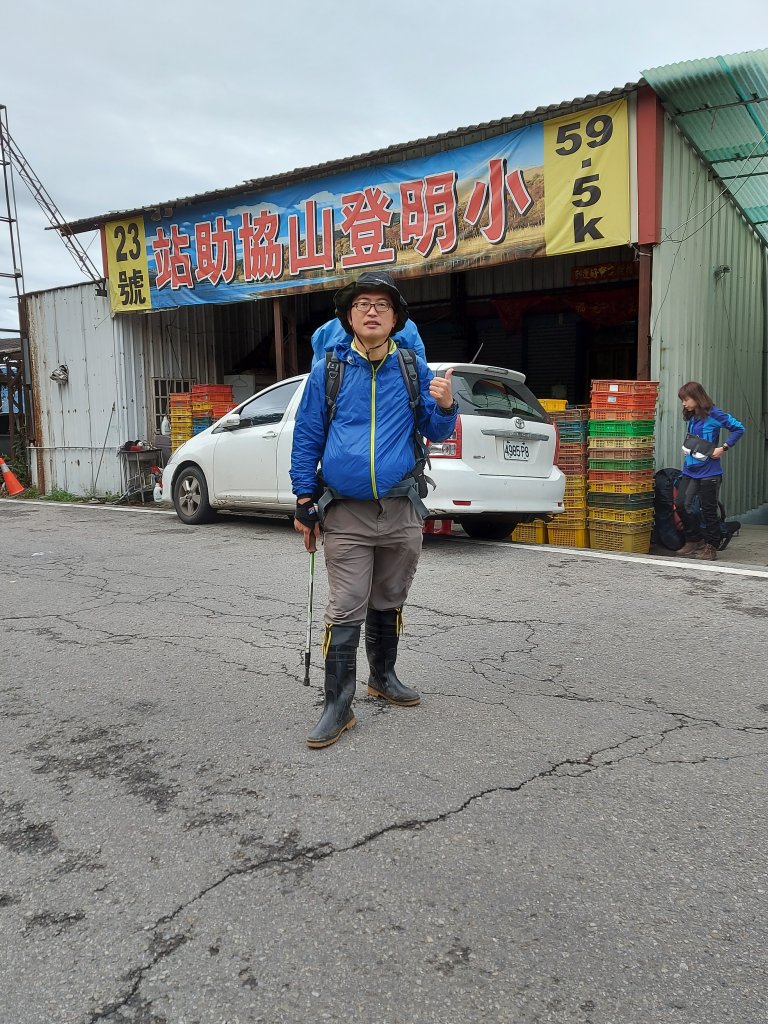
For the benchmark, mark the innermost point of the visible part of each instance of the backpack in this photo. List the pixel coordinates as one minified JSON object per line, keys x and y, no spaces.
{"x":667,"y":528}
{"x":328,"y":335}
{"x":407,"y":359}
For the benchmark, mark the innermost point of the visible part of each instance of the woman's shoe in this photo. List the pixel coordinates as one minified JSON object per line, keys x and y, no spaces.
{"x":707,"y":552}
{"x":690,"y":549}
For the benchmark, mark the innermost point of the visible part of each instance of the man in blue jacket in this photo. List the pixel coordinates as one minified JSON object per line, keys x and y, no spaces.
{"x":368,"y":496}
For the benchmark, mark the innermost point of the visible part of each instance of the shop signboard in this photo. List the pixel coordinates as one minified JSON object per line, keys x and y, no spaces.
{"x":597,"y":273}
{"x":554,"y":187}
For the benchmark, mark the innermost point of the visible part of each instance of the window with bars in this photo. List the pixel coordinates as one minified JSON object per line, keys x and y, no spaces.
{"x":163,"y":387}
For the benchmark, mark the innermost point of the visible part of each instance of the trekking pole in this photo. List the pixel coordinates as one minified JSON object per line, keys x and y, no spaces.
{"x":308,"y":651}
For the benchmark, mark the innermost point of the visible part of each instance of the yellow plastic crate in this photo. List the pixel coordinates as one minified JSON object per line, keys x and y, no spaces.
{"x":531,"y":533}
{"x":575,"y":485}
{"x":615,"y":515}
{"x":603,"y":540}
{"x":571,"y":517}
{"x":553,"y":404}
{"x":573,"y":510}
{"x":610,"y":487}
{"x":568,"y":536}
{"x":644,"y":442}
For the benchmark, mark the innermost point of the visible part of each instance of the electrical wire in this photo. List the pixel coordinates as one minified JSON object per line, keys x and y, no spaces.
{"x":668,"y":235}
{"x":674,"y":260}
{"x":726,"y":191}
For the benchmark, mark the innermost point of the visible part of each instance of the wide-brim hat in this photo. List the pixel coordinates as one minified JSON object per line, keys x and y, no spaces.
{"x":370,"y":281}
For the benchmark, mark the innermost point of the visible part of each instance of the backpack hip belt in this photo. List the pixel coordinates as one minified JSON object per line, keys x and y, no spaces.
{"x":407,"y":488}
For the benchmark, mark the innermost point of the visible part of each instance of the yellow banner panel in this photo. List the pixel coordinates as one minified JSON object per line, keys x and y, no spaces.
{"x":126,"y":246}
{"x":586,"y":174}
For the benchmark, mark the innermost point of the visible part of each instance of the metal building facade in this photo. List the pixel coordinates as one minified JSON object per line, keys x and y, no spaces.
{"x":709,"y":324}
{"x":112,"y":363}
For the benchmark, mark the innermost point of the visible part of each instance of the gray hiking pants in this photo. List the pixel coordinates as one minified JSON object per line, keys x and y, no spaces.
{"x":372,"y":549}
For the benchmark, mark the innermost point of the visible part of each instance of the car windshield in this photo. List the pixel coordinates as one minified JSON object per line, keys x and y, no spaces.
{"x":480,"y":395}
{"x":269,"y":407}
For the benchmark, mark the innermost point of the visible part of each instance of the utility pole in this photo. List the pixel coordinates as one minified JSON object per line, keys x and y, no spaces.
{"x":14,"y":158}
{"x":15,"y":368}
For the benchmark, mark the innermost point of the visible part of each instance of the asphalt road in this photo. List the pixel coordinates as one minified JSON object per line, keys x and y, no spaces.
{"x":571,"y":828}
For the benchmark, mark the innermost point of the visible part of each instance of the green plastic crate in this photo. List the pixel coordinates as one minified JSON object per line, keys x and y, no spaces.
{"x":621,"y":428}
{"x":621,"y":465}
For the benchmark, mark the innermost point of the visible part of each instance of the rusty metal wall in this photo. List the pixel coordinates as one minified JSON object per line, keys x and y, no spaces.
{"x":708,"y":325}
{"x":113,"y":363}
{"x":75,"y":421}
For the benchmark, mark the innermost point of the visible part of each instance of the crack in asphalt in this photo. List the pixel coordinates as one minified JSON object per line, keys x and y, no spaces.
{"x":168,"y":934}
{"x":304,"y":858}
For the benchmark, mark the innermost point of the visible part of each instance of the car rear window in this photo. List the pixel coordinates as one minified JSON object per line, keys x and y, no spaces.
{"x":480,"y":395}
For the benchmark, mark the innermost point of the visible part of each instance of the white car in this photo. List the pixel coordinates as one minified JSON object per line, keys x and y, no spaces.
{"x":497,"y":469}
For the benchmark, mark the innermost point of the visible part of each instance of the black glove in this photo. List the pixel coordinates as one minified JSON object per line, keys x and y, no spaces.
{"x":306,"y":514}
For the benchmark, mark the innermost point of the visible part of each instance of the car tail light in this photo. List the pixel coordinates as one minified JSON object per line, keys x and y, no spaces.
{"x":551,"y":419}
{"x":450,"y":448}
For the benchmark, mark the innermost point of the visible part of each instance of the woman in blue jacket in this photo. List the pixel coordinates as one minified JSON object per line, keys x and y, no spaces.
{"x":702,"y":469}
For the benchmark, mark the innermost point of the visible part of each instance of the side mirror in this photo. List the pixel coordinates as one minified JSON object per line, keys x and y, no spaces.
{"x":231,"y":421}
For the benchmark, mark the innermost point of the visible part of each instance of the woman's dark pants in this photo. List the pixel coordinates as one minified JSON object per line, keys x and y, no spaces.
{"x":707,"y":491}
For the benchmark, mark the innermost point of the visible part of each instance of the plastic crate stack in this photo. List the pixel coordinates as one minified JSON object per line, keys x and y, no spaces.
{"x":209,"y":403}
{"x":621,"y":463}
{"x":531,"y":533}
{"x":181,"y":418}
{"x":569,"y":528}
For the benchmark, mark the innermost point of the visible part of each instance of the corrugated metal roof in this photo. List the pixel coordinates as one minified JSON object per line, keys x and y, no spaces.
{"x":720,"y":104}
{"x":391,"y":154}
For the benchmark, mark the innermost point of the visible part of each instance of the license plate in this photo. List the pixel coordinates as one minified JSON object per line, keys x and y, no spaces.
{"x":516,"y":450}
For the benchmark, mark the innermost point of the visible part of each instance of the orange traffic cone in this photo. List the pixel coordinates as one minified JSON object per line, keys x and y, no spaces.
{"x":9,"y":479}
{"x":438,"y":527}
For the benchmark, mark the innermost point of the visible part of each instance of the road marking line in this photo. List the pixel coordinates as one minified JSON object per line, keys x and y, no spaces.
{"x":660,"y":561}
{"x":96,"y":505}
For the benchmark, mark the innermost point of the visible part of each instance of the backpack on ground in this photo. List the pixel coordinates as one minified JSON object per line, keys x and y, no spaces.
{"x":407,"y":360}
{"x":667,"y":528}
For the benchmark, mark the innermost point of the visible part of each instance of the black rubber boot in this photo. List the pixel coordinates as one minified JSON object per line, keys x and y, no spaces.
{"x":340,"y":649}
{"x":382,"y":630}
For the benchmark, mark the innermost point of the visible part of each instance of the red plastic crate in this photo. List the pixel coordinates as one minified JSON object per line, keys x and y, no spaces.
{"x":606,"y":401}
{"x":576,"y":415}
{"x":626,"y":387}
{"x":621,"y":415}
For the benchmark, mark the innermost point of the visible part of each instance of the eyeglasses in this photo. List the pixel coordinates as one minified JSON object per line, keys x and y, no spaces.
{"x":381,"y":305}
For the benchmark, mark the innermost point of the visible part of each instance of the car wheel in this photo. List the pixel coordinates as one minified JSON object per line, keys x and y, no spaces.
{"x":190,"y":497}
{"x":488,"y":529}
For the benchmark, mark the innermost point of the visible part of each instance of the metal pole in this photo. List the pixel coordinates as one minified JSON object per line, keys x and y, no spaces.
{"x":308,"y":650}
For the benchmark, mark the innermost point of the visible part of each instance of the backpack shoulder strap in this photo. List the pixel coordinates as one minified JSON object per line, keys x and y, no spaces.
{"x":334,"y":374}
{"x":410,"y":371}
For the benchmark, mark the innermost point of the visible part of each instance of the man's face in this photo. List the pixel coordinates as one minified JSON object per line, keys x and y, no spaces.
{"x":373,"y":325}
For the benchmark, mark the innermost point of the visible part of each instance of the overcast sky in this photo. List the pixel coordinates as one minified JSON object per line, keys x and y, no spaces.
{"x":124,"y":105}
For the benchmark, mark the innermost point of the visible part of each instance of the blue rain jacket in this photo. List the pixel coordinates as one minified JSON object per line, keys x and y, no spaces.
{"x":369,"y":445}
{"x":709,"y":429}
